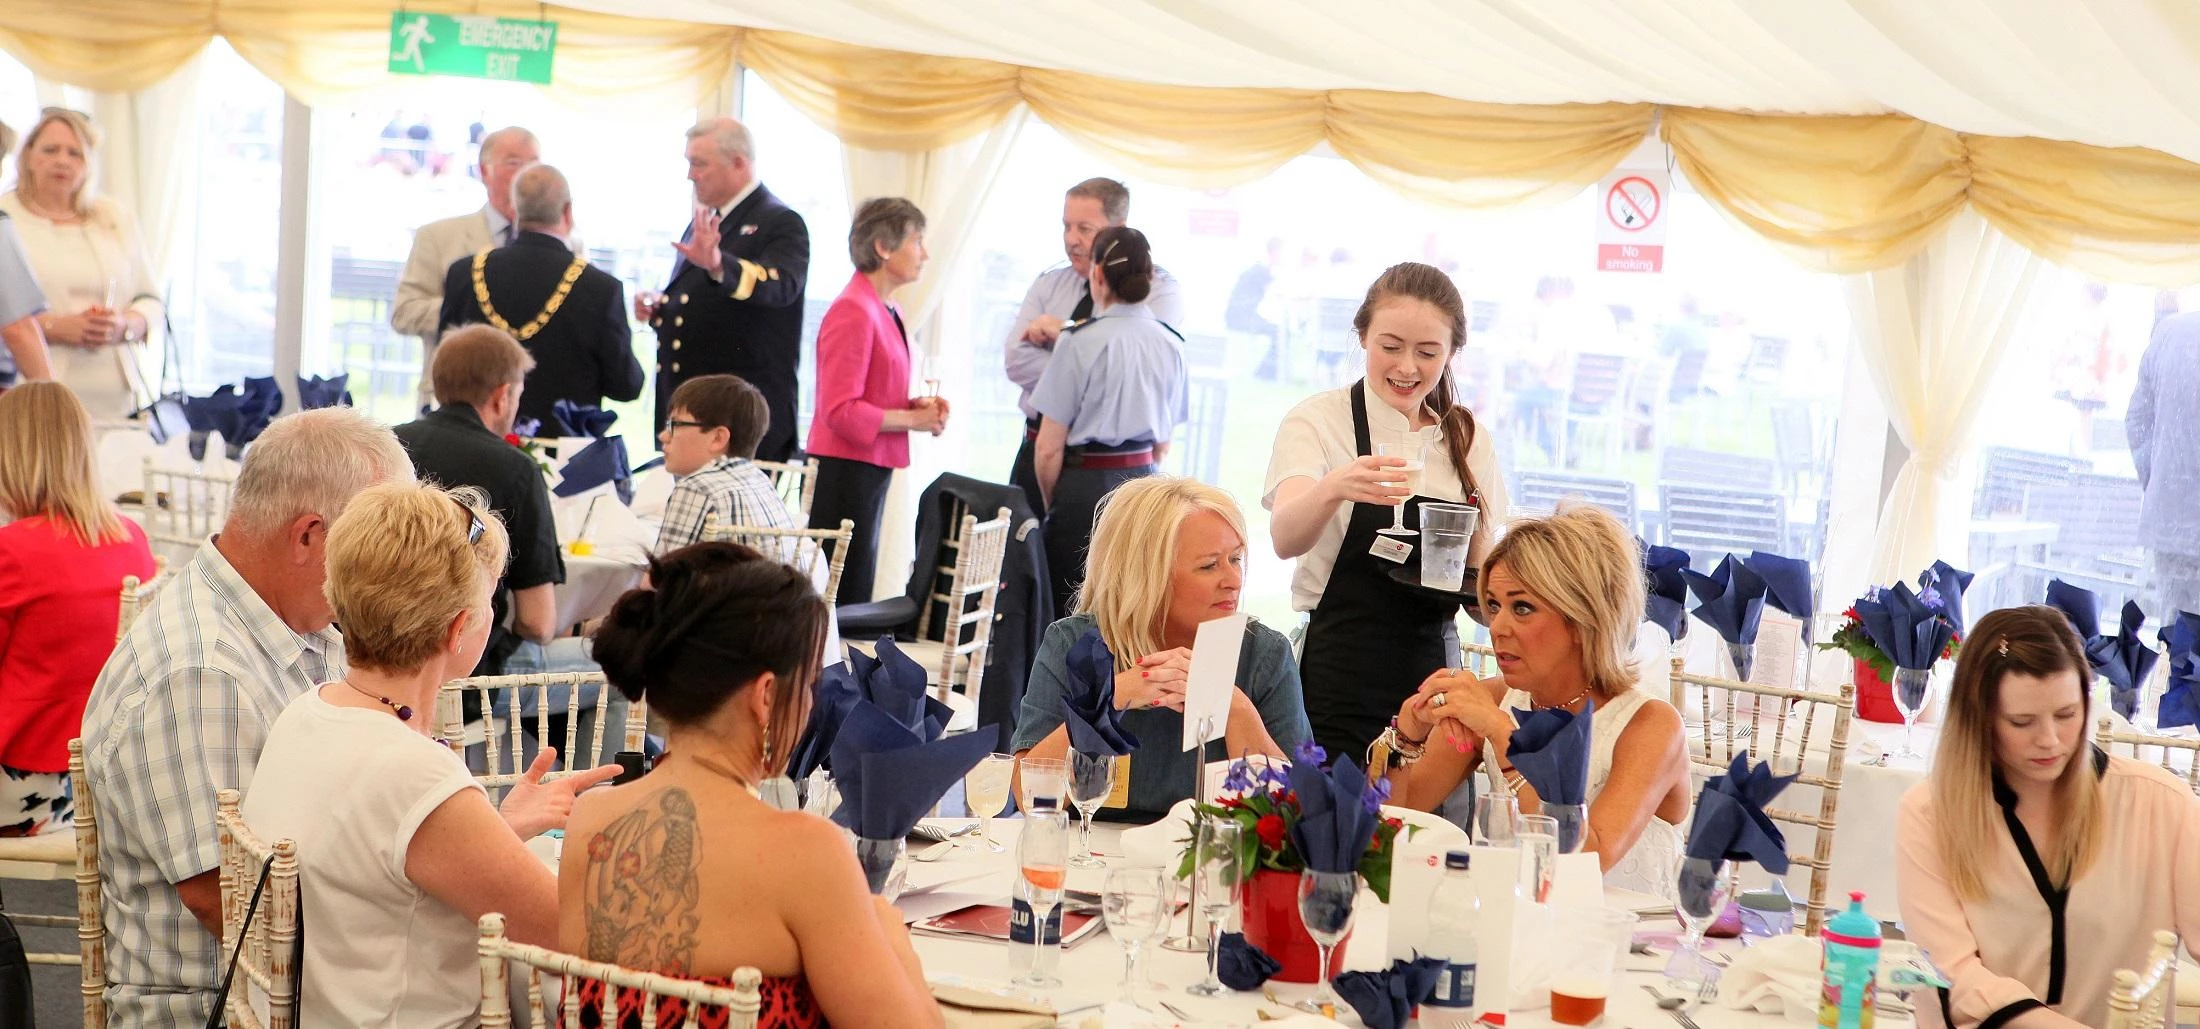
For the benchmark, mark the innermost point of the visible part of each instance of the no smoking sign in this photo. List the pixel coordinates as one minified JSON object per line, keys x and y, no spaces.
{"x":1630,"y":220}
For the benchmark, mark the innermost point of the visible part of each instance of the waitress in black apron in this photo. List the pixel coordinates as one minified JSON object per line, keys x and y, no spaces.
{"x":1370,"y":639}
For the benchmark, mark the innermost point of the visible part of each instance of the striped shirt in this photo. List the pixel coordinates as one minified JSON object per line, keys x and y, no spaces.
{"x":180,"y":712}
{"x":733,"y":489}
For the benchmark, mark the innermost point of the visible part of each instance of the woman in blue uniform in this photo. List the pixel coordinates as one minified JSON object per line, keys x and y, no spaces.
{"x":1370,"y":641}
{"x":1110,"y":399}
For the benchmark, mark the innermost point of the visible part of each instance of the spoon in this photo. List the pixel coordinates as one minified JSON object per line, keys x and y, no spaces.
{"x":1664,"y":1002}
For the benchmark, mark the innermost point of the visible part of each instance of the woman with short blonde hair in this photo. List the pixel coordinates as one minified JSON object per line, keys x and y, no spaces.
{"x":1167,"y":555}
{"x":397,"y":844}
{"x":63,"y":559}
{"x":1563,"y":596}
{"x":2025,"y":839}
{"x":89,"y":260}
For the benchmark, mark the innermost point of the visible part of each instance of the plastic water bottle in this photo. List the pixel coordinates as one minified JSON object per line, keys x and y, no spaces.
{"x":1851,"y":968}
{"x":1455,"y":916}
{"x":1044,"y":844}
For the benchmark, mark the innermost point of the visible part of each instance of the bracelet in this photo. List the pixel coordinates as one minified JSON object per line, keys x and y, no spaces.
{"x":1403,"y":738}
{"x":1516,"y":781}
{"x":1391,"y":750}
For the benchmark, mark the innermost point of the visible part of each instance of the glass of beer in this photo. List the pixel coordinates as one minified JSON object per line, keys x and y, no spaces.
{"x":1596,"y":946}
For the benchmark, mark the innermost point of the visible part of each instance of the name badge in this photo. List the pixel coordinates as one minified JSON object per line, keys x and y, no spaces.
{"x":1120,"y":795}
{"x":1391,"y":550}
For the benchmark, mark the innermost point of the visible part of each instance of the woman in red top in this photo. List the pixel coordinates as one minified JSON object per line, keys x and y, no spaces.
{"x":62,"y":562}
{"x":865,"y":414}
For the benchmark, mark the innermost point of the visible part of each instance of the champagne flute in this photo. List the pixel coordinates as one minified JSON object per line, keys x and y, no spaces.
{"x":1325,"y":905}
{"x":1216,"y":865}
{"x":928,"y":369}
{"x":1412,"y":448}
{"x":1040,"y":860}
{"x":985,"y":790}
{"x":1091,"y":779}
{"x":1135,"y":901}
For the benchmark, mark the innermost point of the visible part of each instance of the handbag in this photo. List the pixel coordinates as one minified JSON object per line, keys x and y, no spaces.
{"x":297,"y":954}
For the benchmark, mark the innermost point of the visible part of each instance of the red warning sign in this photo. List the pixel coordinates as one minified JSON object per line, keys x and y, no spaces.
{"x":1630,"y":223}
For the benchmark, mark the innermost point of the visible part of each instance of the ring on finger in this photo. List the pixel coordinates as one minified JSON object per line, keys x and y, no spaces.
{"x":1439,"y":700}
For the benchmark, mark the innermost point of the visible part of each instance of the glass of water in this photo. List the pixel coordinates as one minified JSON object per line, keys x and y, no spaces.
{"x":1135,"y":902}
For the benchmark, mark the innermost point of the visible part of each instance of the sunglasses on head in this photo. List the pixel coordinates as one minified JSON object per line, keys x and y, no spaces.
{"x":475,"y":528}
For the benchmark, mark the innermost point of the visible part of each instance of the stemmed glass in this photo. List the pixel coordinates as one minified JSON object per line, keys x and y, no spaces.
{"x":985,"y":790}
{"x":1040,"y":777}
{"x":1413,"y":449}
{"x":1538,"y":855}
{"x":1135,"y":902}
{"x":1912,"y":691}
{"x":1704,"y":887}
{"x":1325,"y":905}
{"x":928,"y":369}
{"x":1091,"y":779}
{"x":1215,"y":863}
{"x":1040,"y":860}
{"x":1497,"y":816}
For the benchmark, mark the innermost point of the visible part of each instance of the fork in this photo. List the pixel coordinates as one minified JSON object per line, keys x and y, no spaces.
{"x":1682,"y":1017}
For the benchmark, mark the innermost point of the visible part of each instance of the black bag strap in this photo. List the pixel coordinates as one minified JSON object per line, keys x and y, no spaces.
{"x":244,"y":929}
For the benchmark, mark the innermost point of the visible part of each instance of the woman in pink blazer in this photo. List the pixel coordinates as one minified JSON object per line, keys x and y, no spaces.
{"x":865,"y":414}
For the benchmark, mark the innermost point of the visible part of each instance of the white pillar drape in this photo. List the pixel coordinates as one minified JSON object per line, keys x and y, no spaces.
{"x":148,"y":162}
{"x":1931,"y":334}
{"x":951,"y":185}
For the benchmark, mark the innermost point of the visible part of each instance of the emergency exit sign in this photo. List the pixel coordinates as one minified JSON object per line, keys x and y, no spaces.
{"x":474,"y":47}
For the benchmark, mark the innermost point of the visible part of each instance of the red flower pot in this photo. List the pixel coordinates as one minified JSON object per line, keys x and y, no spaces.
{"x":1874,"y":697}
{"x":1272,"y":923}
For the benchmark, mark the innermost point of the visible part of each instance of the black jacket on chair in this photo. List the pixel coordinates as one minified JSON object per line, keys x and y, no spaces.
{"x":749,"y":322}
{"x":1021,"y":613}
{"x":584,"y":353}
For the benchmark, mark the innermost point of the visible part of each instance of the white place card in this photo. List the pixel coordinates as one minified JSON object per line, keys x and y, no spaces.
{"x":1214,"y":665}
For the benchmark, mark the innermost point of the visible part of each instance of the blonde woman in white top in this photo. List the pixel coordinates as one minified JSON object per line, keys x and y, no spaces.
{"x":90,"y":261}
{"x":1371,"y":641}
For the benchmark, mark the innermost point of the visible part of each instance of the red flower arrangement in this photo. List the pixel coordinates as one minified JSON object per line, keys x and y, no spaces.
{"x":1261,"y":801}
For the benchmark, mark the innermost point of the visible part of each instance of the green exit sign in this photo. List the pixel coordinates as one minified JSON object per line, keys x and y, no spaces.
{"x":475,"y":47}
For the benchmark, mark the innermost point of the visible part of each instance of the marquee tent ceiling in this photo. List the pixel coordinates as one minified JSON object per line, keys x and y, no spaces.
{"x":2106,"y":72}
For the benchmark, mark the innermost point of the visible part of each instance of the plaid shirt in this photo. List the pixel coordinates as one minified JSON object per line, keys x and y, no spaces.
{"x":180,"y":712}
{"x":733,"y":487}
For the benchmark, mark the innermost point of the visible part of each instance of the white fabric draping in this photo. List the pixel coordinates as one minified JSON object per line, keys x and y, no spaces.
{"x":148,"y":161}
{"x":1931,"y":334}
{"x":950,"y":185}
{"x":2106,"y":72}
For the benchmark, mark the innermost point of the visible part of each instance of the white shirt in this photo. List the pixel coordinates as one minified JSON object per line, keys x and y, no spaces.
{"x":1316,"y":438}
{"x":351,"y":786}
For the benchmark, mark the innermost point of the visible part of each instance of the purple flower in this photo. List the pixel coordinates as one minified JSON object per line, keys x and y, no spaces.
{"x":1310,"y":753}
{"x":1929,"y":596}
{"x":1373,"y":799}
{"x":1240,"y":777}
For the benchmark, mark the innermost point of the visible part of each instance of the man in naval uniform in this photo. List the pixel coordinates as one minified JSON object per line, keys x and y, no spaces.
{"x":1060,"y":296}
{"x":734,"y":304}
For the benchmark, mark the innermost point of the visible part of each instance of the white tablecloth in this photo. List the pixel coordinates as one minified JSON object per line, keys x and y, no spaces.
{"x":1092,"y":970}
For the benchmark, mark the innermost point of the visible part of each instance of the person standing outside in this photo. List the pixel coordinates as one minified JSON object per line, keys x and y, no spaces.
{"x":734,"y":302}
{"x":2163,"y":428}
{"x":1062,"y":296}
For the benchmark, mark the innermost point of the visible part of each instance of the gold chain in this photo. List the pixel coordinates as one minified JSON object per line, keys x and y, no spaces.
{"x":557,"y":299}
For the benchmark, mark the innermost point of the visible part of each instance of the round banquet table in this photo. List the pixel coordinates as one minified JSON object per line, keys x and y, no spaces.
{"x":594,"y":582}
{"x":1092,"y":969}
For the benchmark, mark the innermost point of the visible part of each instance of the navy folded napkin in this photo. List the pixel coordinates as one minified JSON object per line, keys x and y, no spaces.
{"x":1551,"y":750}
{"x":526,"y":428}
{"x":2124,"y":660}
{"x":1787,"y":584}
{"x":1386,"y":998}
{"x":1338,"y":814}
{"x":1088,"y":705}
{"x":2077,"y":604}
{"x":316,"y":392}
{"x":216,"y":412}
{"x":896,"y":683}
{"x":1912,"y":634}
{"x":571,"y":419}
{"x":1667,"y":599}
{"x":1947,"y":584}
{"x":889,"y":777}
{"x":258,"y":405}
{"x":831,"y":698}
{"x":597,"y":463}
{"x":2181,"y":700}
{"x":1242,"y":966}
{"x":1730,"y":820}
{"x":1732,"y":601}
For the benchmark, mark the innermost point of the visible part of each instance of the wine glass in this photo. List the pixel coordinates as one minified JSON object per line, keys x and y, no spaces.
{"x":1497,"y":816}
{"x":1040,"y":859}
{"x":1325,"y":905}
{"x":985,"y":790}
{"x":928,"y":369}
{"x":1091,"y":779}
{"x":1413,"y":449}
{"x":1704,"y":886}
{"x":1135,"y":902}
{"x":1913,"y":688}
{"x":1215,"y":866}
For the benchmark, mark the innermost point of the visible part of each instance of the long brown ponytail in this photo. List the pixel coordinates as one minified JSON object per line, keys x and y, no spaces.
{"x":1414,"y":281}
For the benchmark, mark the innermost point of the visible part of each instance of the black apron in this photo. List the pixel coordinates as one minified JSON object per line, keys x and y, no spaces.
{"x":1371,"y":640}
